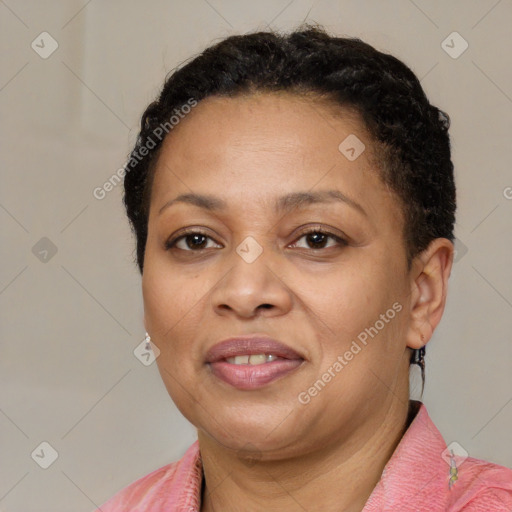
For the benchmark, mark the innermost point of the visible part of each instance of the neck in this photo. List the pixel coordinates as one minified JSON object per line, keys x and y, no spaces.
{"x":335,"y":478}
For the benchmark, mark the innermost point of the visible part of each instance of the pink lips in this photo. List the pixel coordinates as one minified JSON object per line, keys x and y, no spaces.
{"x":246,"y":376}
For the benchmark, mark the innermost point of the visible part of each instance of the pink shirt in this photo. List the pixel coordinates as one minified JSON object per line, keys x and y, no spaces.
{"x":422,"y":475}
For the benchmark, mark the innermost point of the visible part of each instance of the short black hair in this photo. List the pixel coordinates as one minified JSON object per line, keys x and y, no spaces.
{"x":409,"y":135}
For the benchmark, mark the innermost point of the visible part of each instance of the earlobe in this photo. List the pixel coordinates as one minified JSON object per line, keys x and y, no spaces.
{"x":429,"y":288}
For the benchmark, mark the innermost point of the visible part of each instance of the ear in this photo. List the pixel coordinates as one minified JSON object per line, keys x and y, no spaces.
{"x":429,"y":286}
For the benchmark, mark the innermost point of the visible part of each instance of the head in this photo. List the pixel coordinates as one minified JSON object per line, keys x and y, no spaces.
{"x":255,"y":118}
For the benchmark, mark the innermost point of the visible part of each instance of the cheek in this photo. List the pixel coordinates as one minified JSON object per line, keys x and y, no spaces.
{"x":174,"y":308}
{"x":168,"y":295}
{"x":348,"y":307}
{"x":171,"y":310}
{"x":350,"y":297}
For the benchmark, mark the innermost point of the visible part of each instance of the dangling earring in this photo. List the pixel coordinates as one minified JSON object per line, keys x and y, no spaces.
{"x":148,"y":342}
{"x":418,"y":357}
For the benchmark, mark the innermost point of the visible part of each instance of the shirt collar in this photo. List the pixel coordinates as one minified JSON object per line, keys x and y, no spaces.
{"x":404,"y":482}
{"x":417,"y":469}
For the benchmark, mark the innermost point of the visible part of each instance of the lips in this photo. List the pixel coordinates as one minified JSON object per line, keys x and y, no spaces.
{"x":249,"y":345}
{"x":221,"y":361}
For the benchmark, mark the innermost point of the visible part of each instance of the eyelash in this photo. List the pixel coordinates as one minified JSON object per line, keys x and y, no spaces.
{"x":170,"y":244}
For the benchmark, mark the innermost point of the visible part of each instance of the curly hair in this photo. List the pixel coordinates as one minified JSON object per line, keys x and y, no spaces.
{"x":409,"y":135}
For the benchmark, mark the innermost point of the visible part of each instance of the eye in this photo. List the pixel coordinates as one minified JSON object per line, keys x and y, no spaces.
{"x":317,"y":237}
{"x":193,"y":238}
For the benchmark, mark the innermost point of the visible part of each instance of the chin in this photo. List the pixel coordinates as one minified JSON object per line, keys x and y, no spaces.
{"x":255,"y":431}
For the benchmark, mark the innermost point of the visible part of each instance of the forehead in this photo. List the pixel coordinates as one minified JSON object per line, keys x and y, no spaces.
{"x":273,"y":122}
{"x":250,"y":147}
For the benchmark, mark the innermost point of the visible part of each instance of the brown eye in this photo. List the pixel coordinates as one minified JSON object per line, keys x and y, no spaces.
{"x":196,"y":241}
{"x":192,"y":241}
{"x":317,"y":238}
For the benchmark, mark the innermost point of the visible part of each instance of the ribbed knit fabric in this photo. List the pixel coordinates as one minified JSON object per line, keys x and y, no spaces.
{"x":422,"y":475}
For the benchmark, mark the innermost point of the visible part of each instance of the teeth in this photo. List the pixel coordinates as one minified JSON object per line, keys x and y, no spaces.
{"x":252,"y":359}
{"x":258,"y":359}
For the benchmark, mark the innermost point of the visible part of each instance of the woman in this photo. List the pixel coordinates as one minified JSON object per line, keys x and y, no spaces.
{"x":293,"y":202}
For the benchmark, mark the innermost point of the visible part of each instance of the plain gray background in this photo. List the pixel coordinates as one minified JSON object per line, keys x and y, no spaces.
{"x":70,"y":321}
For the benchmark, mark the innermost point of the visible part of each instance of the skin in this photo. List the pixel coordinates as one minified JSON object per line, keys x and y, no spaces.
{"x":263,"y":448}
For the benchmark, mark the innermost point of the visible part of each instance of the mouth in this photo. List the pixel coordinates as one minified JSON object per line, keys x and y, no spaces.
{"x":253,"y":359}
{"x":251,"y":362}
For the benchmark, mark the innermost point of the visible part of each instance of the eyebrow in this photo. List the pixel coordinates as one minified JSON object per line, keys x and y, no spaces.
{"x":286,"y":202}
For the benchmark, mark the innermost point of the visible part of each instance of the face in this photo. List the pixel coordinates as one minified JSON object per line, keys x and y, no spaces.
{"x":325,"y":277}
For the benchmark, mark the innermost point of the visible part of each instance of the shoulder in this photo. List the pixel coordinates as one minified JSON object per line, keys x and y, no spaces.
{"x":141,"y":490}
{"x":425,"y":474}
{"x":484,"y":486}
{"x":161,"y":487}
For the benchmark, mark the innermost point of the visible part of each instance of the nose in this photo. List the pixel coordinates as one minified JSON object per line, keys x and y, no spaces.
{"x":251,"y":288}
